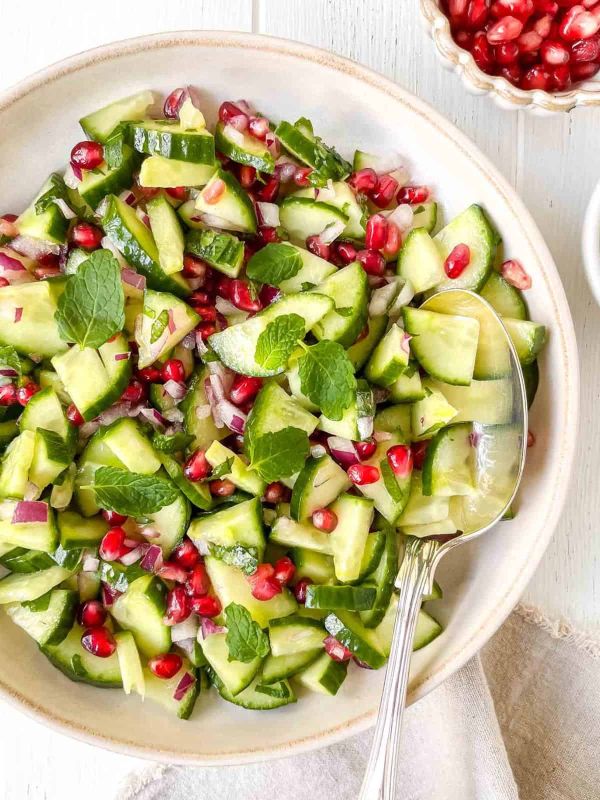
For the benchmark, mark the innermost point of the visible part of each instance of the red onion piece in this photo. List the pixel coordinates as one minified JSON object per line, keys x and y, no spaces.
{"x":34,"y":248}
{"x":109,"y":595}
{"x":268,"y":214}
{"x":152,"y":416}
{"x":18,"y":314}
{"x":172,"y":573}
{"x":331,"y":232}
{"x":284,"y":171}
{"x":122,"y":356}
{"x":273,"y":144}
{"x":184,"y":685}
{"x":6,"y":372}
{"x":72,"y":176}
{"x":30,"y":511}
{"x":90,"y":563}
{"x":127,"y":197}
{"x":88,"y":429}
{"x":149,"y":532}
{"x":188,"y":629}
{"x":189,"y":341}
{"x":405,"y":343}
{"x":173,"y":415}
{"x":402,"y":216}
{"x":325,"y":193}
{"x":134,"y":555}
{"x":380,"y":395}
{"x":10,"y":264}
{"x":175,"y":389}
{"x":114,"y":412}
{"x":132,"y":278}
{"x":152,"y":559}
{"x":231,"y":415}
{"x":208,"y":627}
{"x":342,"y":450}
{"x":171,"y":325}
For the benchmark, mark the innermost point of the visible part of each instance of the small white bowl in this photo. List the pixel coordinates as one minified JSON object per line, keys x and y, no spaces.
{"x":503,"y":93}
{"x":591,"y":243}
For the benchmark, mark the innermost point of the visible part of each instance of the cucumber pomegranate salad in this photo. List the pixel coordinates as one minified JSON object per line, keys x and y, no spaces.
{"x":222,"y":408}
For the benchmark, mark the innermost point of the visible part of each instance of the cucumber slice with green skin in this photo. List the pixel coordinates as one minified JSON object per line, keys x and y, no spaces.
{"x":19,"y":559}
{"x":505,"y":299}
{"x":528,"y":338}
{"x":166,"y":320}
{"x":357,"y":420}
{"x":160,"y":398}
{"x":19,"y":588}
{"x":77,"y":532}
{"x":422,"y":510}
{"x":349,"y":290}
{"x":311,"y":270}
{"x":420,"y":261}
{"x":171,"y":523}
{"x":130,"y":664}
{"x":425,"y":216}
{"x":234,"y":205}
{"x":100,"y":124}
{"x":319,"y":483}
{"x":302,"y":217}
{"x":14,"y":471}
{"x":231,"y":586}
{"x":390,"y":493}
{"x":44,"y":410}
{"x":362,"y":642}
{"x":97,"y":183}
{"x":408,"y":388}
{"x":32,"y":535}
{"x":389,"y":359}
{"x":444,"y":527}
{"x":371,"y":554}
{"x":36,"y":331}
{"x":167,"y":233}
{"x":359,"y":352}
{"x":394,"y":419}
{"x":349,"y":537}
{"x":448,"y":466}
{"x":364,"y":160}
{"x":48,"y":623}
{"x":234,"y":675}
{"x":428,"y":629}
{"x":345,"y":200}
{"x":118,"y":576}
{"x":316,"y":566}
{"x":531,"y":375}
{"x":140,"y":610}
{"x":314,"y":270}
{"x":94,"y":378}
{"x":292,"y":635}
{"x":445,"y":345}
{"x":246,"y":479}
{"x":299,"y":140}
{"x":166,"y":173}
{"x":197,"y":493}
{"x":162,"y":691}
{"x":258,"y":696}
{"x":241,"y":524}
{"x":382,"y":581}
{"x":295,"y":384}
{"x":168,"y":138}
{"x":48,"y":379}
{"x":236,"y":346}
{"x":324,"y":676}
{"x":8,"y":431}
{"x":349,"y":598}
{"x":202,"y":429}
{"x":243,"y":148}
{"x":288,"y":533}
{"x":435,"y":594}
{"x":244,"y":558}
{"x":488,"y":402}
{"x":223,"y":251}
{"x":137,"y":246}
{"x":278,"y":668}
{"x":431,"y":413}
{"x":274,"y":410}
{"x":49,"y":226}
{"x":74,"y":661}
{"x":472,"y":228}
{"x":50,"y":457}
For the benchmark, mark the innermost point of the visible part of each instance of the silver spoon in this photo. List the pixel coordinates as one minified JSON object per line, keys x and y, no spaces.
{"x":499,"y":458}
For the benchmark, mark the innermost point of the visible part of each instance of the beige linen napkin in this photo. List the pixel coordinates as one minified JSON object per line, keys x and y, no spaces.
{"x":522,"y":720}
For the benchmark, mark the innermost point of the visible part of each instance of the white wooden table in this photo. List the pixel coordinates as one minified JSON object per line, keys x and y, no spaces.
{"x":554,"y":164}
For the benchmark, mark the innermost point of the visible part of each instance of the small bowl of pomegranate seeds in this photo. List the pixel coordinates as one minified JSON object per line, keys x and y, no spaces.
{"x":540,"y":55}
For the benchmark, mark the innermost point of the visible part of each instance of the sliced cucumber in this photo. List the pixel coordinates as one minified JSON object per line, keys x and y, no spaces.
{"x":394,"y":419}
{"x":44,"y":410}
{"x":362,"y":642}
{"x":318,"y":484}
{"x":14,"y":471}
{"x":19,"y":588}
{"x":299,"y":140}
{"x":390,"y":493}
{"x":241,"y":524}
{"x":8,"y":431}
{"x":166,"y":320}
{"x":531,"y":376}
{"x":428,"y":629}
{"x":258,"y":696}
{"x":163,"y":691}
{"x":420,"y":261}
{"x":51,"y":456}
{"x":72,"y":659}
{"x":19,"y":559}
{"x":389,"y":359}
{"x":50,"y":225}
{"x":167,"y":173}
{"x":349,"y":290}
{"x":170,"y":139}
{"x":243,"y":148}
{"x":32,"y":535}
{"x":97,"y":183}
{"x":197,"y":493}
{"x":288,"y":533}
{"x":349,"y":598}
{"x":408,"y":387}
{"x":203,"y":429}
{"x":504,"y":298}
{"x":348,"y":539}
{"x":449,"y":463}
{"x":431,"y":413}
{"x":325,"y":676}
{"x":233,"y":205}
{"x":140,"y":610}
{"x":48,"y":622}
{"x":221,"y":250}
{"x":382,"y":581}
{"x":130,"y":664}
{"x":359,"y":352}
{"x":100,"y":124}
{"x":426,"y":216}
{"x":36,"y":330}
{"x":316,"y":566}
{"x":357,"y":420}
{"x":372,"y":553}
{"x":488,"y":402}
{"x":77,"y":532}
{"x":528,"y":338}
{"x":167,"y":233}
{"x":472,"y":228}
{"x":291,"y":635}
{"x":422,"y":510}
{"x":303,"y":217}
{"x":170,"y":523}
{"x":278,"y":668}
{"x":245,"y":478}
{"x":234,"y":675}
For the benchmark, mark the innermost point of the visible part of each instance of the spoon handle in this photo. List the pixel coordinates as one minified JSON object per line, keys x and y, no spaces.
{"x":414,"y":580}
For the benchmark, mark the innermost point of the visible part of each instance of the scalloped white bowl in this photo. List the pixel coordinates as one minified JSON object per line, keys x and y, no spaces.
{"x":500,"y":90}
{"x":485,"y":579}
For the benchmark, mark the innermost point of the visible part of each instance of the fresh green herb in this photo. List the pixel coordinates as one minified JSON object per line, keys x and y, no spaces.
{"x":327,"y":377}
{"x":245,"y":638}
{"x":222,"y":469}
{"x":118,"y":576}
{"x":275,"y":263}
{"x":279,"y":689}
{"x":113,"y":147}
{"x":215,"y":248}
{"x":278,"y":340}
{"x":91,"y":308}
{"x":171,"y":444}
{"x":9,"y":358}
{"x":4,"y":239}
{"x":67,"y":559}
{"x":56,"y":447}
{"x":280,"y":454}
{"x":244,"y":558}
{"x":131,"y":494}
{"x":56,"y":191}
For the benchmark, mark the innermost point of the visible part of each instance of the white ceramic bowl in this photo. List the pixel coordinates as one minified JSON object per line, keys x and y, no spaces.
{"x":502,"y":91}
{"x":351,"y":107}
{"x":591,"y":243}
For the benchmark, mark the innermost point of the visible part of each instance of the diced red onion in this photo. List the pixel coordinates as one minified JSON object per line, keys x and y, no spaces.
{"x":380,"y":395}
{"x":331,"y":232}
{"x":273,"y":144}
{"x":225,"y":375}
{"x":382,"y":436}
{"x":268,"y":214}
{"x":404,"y":297}
{"x":201,"y":345}
{"x":30,"y":511}
{"x":7,"y":372}
{"x":342,"y":450}
{"x":325,"y":193}
{"x":130,"y":542}
{"x":134,"y":555}
{"x":114,"y":412}
{"x":171,"y":324}
{"x":152,"y":559}
{"x":225,"y":307}
{"x":317,"y":451}
{"x":285,"y":170}
{"x":365,"y":427}
{"x":202,"y":411}
{"x":175,"y":389}
{"x":172,"y":572}
{"x":90,"y":563}
{"x":361,"y":664}
{"x":188,"y":629}
{"x":402,"y":217}
{"x":107,"y":244}
{"x":383,"y":298}
{"x":404,"y":344}
{"x":101,"y":207}
{"x":187,"y":645}
{"x":34,"y":248}
{"x":131,"y":277}
{"x":234,"y":129}
{"x":127,"y":197}
{"x":184,"y":685}
{"x":67,"y":212}
{"x":173,"y":415}
{"x":10,"y":264}
{"x":18,"y":313}
{"x":141,"y":214}
{"x":109,"y":595}
{"x":231,"y":415}
{"x":152,"y":416}
{"x":189,"y":341}
{"x":208,"y":627}
{"x":88,"y":429}
{"x":72,"y":176}
{"x":149,"y":532}
{"x":122,"y":356}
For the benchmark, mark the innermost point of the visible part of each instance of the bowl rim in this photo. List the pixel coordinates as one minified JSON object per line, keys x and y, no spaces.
{"x":564,"y":326}
{"x":591,"y":243}
{"x":503,"y":91}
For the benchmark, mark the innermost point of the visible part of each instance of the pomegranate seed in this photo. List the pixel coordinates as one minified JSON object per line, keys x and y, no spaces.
{"x":543,"y":26}
{"x":522,"y":9}
{"x":25,"y":393}
{"x":112,"y":545}
{"x":275,"y":493}
{"x":222,"y":488}
{"x":178,"y":606}
{"x":173,"y":103}
{"x":196,"y":467}
{"x":113,"y":518}
{"x":263,"y":582}
{"x":269,"y":294}
{"x":134,"y":393}
{"x":546,"y":7}
{"x":457,"y":8}
{"x":173,"y":370}
{"x":206,"y":329}
{"x":150,"y":375}
{"x":284,"y":570}
{"x":41,"y":273}
{"x":536,"y":78}
{"x":400,"y":459}
{"x":247,"y":176}
{"x":258,"y":127}
{"x":336,"y":650}
{"x":194,"y":267}
{"x":586,"y":50}
{"x":419,"y":451}
{"x":371,"y":261}
{"x":241,"y":296}
{"x":477,"y":14}
{"x":393,"y":241}
{"x":361,"y":474}
{"x":213,"y":193}
{"x":177,"y":192}
{"x":198,"y":582}
{"x":208,"y":606}
{"x":578,"y":23}
{"x":165,"y":666}
{"x":301,"y":176}
{"x":583,"y":72}
{"x":268,"y":193}
{"x":186,"y":555}
{"x":505,"y":30}
{"x":529,"y":43}
{"x":364,"y":180}
{"x":4,"y":282}
{"x":384,"y":192}
{"x":319,"y":248}
{"x":464,"y":39}
{"x":346,"y":252}
{"x":324,"y":519}
{"x":91,"y":614}
{"x":458,"y":260}
{"x":87,"y":155}
{"x":376,"y":232}
{"x":482,"y":52}
{"x":74,"y":416}
{"x":512,"y":73}
{"x":554,"y":53}
{"x":268,"y":234}
{"x":512,"y":271}
{"x":229,"y":111}
{"x":86,"y":236}
{"x":560,"y":78}
{"x":171,"y":571}
{"x":99,"y":642}
{"x":300,"y":590}
{"x":365,"y":449}
{"x":244,"y":388}
{"x":8,"y":395}
{"x":507,"y":53}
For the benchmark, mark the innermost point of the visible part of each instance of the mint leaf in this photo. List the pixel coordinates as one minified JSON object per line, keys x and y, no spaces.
{"x":173,"y":443}
{"x":275,"y":263}
{"x":56,"y":191}
{"x":327,"y":378}
{"x":245,"y":638}
{"x":278,"y":340}
{"x":92,"y":307}
{"x":9,"y":359}
{"x":244,"y":558}
{"x":113,"y":147}
{"x":280,"y":454}
{"x":221,"y":469}
{"x":131,"y":494}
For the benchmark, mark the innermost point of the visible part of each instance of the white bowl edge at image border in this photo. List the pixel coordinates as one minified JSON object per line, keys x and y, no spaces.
{"x":591,"y":243}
